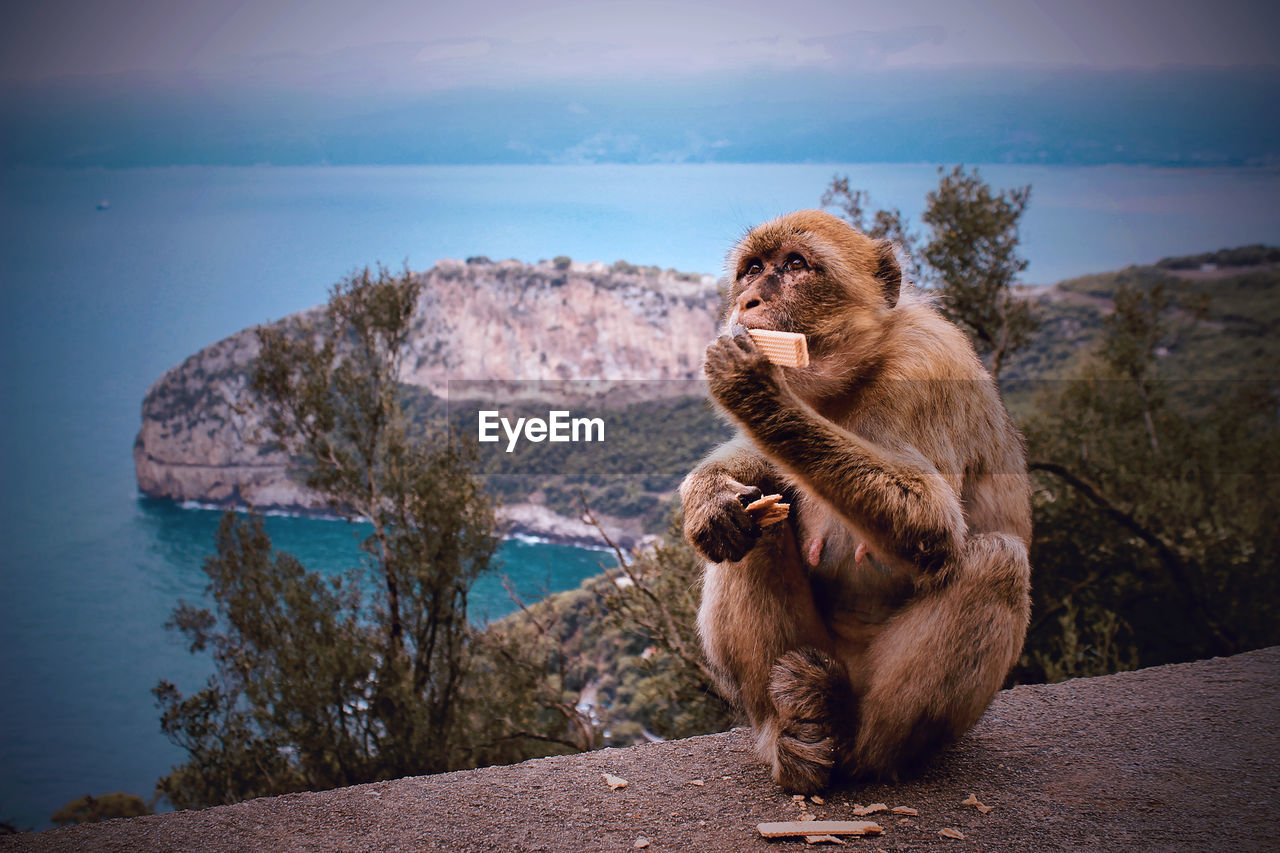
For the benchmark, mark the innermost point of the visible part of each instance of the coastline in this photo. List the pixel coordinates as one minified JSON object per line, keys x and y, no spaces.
{"x":525,"y":522}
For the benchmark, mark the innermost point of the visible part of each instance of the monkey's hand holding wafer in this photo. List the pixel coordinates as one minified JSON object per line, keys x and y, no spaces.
{"x":740,"y":376}
{"x":720,"y":527}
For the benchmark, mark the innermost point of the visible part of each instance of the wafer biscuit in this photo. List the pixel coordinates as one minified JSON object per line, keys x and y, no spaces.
{"x":786,"y":828}
{"x":788,"y":349}
{"x":767,"y":510}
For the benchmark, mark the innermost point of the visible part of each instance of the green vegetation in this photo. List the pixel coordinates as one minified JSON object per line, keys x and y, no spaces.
{"x":625,"y":637}
{"x":378,"y":674}
{"x":651,"y":444}
{"x":89,"y":809}
{"x":882,"y":224}
{"x":969,"y":255}
{"x":650,"y":447}
{"x":972,"y":259}
{"x":1234,"y":334}
{"x":625,"y":268}
{"x":314,"y":687}
{"x":1154,"y":540}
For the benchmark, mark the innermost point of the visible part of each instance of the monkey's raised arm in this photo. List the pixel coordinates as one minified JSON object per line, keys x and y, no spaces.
{"x":895,"y":495}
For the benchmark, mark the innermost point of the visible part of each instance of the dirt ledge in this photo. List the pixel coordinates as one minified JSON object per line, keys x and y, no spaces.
{"x":1183,"y":757}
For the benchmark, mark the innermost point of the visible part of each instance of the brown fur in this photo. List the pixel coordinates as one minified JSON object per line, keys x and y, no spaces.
{"x":902,"y":464}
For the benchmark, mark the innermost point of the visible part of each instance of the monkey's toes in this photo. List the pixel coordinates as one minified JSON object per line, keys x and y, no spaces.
{"x":815,"y":707}
{"x":801,"y":766}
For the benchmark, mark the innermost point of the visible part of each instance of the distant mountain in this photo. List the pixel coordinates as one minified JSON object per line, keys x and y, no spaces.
{"x":1168,"y":117}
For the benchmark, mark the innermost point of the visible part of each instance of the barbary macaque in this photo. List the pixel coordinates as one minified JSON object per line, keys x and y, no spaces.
{"x":877,"y":622}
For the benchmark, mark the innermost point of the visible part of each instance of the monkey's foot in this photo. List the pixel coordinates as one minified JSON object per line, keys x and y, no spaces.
{"x":815,"y":708}
{"x":803,"y":766}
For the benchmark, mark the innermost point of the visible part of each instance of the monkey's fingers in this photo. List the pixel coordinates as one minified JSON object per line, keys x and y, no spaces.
{"x":726,"y":538}
{"x":726,"y":357}
{"x":747,"y":495}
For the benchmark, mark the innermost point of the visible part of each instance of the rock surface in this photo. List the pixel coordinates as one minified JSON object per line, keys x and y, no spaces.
{"x":200,"y":442}
{"x":538,"y":521}
{"x":1182,"y":757}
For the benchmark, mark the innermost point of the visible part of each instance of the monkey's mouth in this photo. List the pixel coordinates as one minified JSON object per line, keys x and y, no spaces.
{"x":768,"y":325}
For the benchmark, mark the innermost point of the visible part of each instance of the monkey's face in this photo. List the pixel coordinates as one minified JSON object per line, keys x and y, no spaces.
{"x":812,"y":273}
{"x":772,"y":288}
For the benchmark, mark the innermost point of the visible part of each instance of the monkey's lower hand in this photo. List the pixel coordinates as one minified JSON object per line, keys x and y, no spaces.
{"x":716,"y":521}
{"x":740,"y":377}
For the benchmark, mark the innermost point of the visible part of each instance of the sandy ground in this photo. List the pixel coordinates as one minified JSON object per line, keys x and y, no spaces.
{"x":1180,"y":757}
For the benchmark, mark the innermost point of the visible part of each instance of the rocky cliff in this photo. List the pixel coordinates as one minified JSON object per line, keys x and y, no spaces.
{"x":201,"y":439}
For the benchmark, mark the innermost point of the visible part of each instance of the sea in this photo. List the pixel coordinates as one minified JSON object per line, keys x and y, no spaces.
{"x":109,"y":277}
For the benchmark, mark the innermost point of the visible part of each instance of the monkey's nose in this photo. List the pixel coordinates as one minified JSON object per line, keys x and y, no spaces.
{"x":748,"y":300}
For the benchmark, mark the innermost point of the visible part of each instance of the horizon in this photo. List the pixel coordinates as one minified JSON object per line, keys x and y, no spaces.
{"x":137,"y":83}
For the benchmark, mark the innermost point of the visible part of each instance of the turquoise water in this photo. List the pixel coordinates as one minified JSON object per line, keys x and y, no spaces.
{"x":97,"y":304}
{"x":86,"y":647}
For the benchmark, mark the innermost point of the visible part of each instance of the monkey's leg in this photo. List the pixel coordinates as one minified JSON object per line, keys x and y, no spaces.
{"x":764,"y":637}
{"x":937,"y":664}
{"x":815,"y":715}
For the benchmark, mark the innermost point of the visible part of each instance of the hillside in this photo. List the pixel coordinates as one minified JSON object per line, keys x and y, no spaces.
{"x":1238,"y":338}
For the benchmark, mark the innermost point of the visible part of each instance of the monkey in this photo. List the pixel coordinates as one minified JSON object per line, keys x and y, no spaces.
{"x":877,"y":623}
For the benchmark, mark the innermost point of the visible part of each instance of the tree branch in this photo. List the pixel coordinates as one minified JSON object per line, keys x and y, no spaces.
{"x":1224,"y":639}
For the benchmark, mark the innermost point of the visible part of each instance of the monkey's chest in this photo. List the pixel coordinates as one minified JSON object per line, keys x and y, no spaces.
{"x":852,"y":583}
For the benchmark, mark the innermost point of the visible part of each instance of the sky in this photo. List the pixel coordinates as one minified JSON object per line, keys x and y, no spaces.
{"x":492,"y":42}
{"x":289,"y":82}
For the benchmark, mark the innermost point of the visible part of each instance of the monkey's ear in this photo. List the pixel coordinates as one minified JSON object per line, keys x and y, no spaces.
{"x":888,"y":273}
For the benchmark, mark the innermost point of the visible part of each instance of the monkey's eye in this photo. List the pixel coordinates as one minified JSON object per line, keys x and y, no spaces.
{"x":796,"y":262}
{"x":754,"y":268}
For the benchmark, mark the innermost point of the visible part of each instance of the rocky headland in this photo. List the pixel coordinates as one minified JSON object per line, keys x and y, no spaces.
{"x":203,"y":440}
